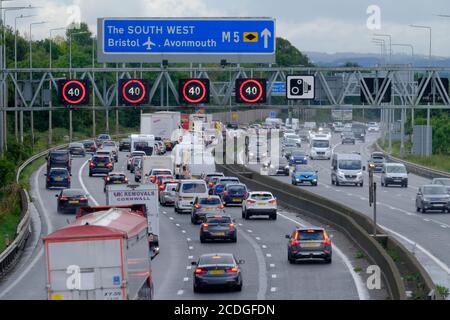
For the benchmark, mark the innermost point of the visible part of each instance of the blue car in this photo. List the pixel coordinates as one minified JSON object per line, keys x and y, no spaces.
{"x":298,"y":158}
{"x":304,"y":173}
{"x":234,"y":194}
{"x":221,"y":183}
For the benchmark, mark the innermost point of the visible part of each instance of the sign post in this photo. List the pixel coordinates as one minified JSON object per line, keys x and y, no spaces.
{"x":175,"y":40}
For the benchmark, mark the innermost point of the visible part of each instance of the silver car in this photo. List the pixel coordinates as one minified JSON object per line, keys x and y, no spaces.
{"x":168,"y":194}
{"x":432,"y":197}
{"x":394,"y":174}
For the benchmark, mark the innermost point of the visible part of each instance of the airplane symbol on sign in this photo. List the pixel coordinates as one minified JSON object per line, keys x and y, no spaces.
{"x":149,"y":44}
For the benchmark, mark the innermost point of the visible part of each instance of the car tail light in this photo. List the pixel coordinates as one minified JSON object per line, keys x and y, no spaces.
{"x":273,"y":201}
{"x":108,"y":178}
{"x":91,"y":164}
{"x":161,"y":187}
{"x":48,"y":178}
{"x":126,"y":179}
{"x":225,"y":193}
{"x":152,"y":179}
{"x":210,"y":184}
{"x":327,"y":242}
{"x":250,"y":201}
{"x":294,"y":243}
{"x":221,"y":206}
{"x":83,"y":199}
{"x":205,"y":226}
{"x":70,"y":178}
{"x":232,"y":226}
{"x":232,"y":270}
{"x":63,"y":199}
{"x":200,"y":270}
{"x":246,"y":194}
{"x":109,"y":164}
{"x":197,"y":206}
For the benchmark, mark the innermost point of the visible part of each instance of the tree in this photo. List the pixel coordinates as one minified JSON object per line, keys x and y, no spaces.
{"x":288,"y":55}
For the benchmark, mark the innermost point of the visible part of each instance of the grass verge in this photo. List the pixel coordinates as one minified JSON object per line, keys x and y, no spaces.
{"x":9,"y":215}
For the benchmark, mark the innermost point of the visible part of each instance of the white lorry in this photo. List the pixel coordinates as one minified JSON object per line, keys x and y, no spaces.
{"x":103,"y":255}
{"x":161,"y":124}
{"x":139,"y":142}
{"x":155,"y":162}
{"x":133,"y":194}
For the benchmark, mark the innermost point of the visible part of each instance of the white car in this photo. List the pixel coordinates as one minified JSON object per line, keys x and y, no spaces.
{"x":259,"y":203}
{"x":187,"y":191}
{"x":373,"y":127}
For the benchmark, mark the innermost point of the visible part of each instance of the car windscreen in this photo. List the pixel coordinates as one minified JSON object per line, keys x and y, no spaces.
{"x":395,"y":169}
{"x":109,"y":144}
{"x":117,"y":176}
{"x":304,"y":169}
{"x":310,"y":235}
{"x":59,"y":172}
{"x":298,"y":154}
{"x":209,"y":201}
{"x":218,"y":220}
{"x":76,"y":145}
{"x":262,"y":196}
{"x":434,"y":190}
{"x":101,"y":159}
{"x":444,"y":182}
{"x":104,"y":137}
{"x":223,"y":260}
{"x":193,"y":188}
{"x":350,"y":164}
{"x":137,"y":154}
{"x":321,"y":144}
{"x":59,"y":157}
{"x":88,"y":143}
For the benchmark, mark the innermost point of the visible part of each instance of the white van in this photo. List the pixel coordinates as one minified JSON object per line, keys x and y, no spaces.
{"x":186,"y":192}
{"x":320,"y":148}
{"x":347,"y":169}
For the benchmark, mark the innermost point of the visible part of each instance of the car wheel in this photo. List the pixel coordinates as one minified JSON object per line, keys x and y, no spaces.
{"x":406,"y":185}
{"x":424,"y":210}
{"x":417,"y":209}
{"x":337,"y":183}
{"x":90,"y":174}
{"x":315,"y":184}
{"x":239,"y":287}
{"x":361,"y":184}
{"x":196,"y":289}
{"x":202,"y":239}
{"x":247,"y":216}
{"x":291,"y":261}
{"x":382,"y":183}
{"x":273,"y":216}
{"x":328,"y":260}
{"x":234,"y":239}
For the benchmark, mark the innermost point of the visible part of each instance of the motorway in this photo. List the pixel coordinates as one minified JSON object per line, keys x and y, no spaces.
{"x":426,"y":235}
{"x":261,"y":243}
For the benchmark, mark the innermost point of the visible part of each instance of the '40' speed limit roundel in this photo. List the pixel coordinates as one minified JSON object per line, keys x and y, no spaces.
{"x":73,"y":92}
{"x":251,"y":90}
{"x":194,"y":91}
{"x":134,"y":91}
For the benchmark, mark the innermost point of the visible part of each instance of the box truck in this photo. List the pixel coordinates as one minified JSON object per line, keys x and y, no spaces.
{"x":103,"y":255}
{"x":135,"y":194}
{"x":161,"y":124}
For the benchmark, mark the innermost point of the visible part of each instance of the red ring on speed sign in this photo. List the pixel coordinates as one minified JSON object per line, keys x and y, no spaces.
{"x":202,"y":85}
{"x":124,"y":91}
{"x":83,"y":91}
{"x":241,"y":91}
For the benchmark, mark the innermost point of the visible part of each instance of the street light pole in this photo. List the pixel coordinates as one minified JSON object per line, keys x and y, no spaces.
{"x":390,"y":43}
{"x":31,"y":78}
{"x":427,"y":28}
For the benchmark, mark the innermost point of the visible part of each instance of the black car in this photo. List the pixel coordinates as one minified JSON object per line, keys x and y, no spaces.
{"x":309,"y":244}
{"x":115,"y":178}
{"x":217,"y":270}
{"x":218,"y":227}
{"x":59,"y":159}
{"x":234,"y":193}
{"x":100,"y":165}
{"x":125,"y":145}
{"x":77,"y":149}
{"x":205,"y":205}
{"x":70,"y":200}
{"x":58,"y":177}
{"x":348,"y":137}
{"x":89,"y":146}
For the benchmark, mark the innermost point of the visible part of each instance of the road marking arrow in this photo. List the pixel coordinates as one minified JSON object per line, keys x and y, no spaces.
{"x":266,"y":34}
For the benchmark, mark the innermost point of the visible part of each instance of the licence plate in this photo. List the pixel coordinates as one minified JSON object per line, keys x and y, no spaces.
{"x":210,"y":209}
{"x":438,"y":205}
{"x":101,"y":165}
{"x":74,"y":201}
{"x":58,"y":179}
{"x":118,"y":181}
{"x":236,"y":200}
{"x":217,"y":272}
{"x":220,"y":234}
{"x":261,"y":203}
{"x":311,"y":245}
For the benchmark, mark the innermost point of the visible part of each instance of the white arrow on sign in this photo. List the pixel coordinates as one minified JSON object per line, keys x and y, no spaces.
{"x":266,"y":34}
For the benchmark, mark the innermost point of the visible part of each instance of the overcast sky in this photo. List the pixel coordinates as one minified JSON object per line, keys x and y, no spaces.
{"x":318,"y":25}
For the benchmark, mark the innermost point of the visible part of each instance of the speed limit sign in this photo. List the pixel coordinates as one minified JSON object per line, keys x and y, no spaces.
{"x":251,"y":90}
{"x":73,"y":92}
{"x":194,"y":91}
{"x":133,"y":91}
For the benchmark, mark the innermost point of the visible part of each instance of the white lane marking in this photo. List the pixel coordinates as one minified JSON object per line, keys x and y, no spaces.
{"x":170,"y":218}
{"x":191,"y":257}
{"x":249,"y":231}
{"x":49,"y":229}
{"x":444,"y":226}
{"x":183,"y":231}
{"x":274,"y":276}
{"x":191,"y":248}
{"x":189,"y":268}
{"x":363,"y":294}
{"x":188,"y":239}
{"x":186,"y":279}
{"x":80,"y":178}
{"x":258,"y":238}
{"x":268,"y":255}
{"x":262,"y":274}
{"x":441,"y":264}
{"x":264,"y":246}
{"x":272,"y":265}
{"x":273,"y":289}
{"x":178,"y":225}
{"x":427,"y":220}
{"x":240,"y":224}
{"x":350,"y":194}
{"x":180,"y":292}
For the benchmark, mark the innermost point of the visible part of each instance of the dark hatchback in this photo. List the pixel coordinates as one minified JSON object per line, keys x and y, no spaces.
{"x":125,"y":145}
{"x":89,"y":146}
{"x":100,"y":165}
{"x":309,"y":244}
{"x":218,"y":227}
{"x":115,"y":178}
{"x":70,"y":200}
{"x":58,"y":178}
{"x":77,"y":149}
{"x":59,"y":159}
{"x":205,"y":205}
{"x":220,"y":270}
{"x":220,"y":184}
{"x":234,"y":194}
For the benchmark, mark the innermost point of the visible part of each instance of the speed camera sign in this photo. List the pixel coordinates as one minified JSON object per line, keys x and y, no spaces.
{"x":300,"y":87}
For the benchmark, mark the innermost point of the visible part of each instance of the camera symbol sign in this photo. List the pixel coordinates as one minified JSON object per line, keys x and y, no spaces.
{"x":300,"y":87}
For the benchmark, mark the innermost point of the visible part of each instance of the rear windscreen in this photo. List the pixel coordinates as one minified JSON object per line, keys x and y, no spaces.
{"x":193,"y":188}
{"x":261,"y":197}
{"x":161,"y":172}
{"x":210,"y":201}
{"x":225,"y":181}
{"x":59,"y":157}
{"x":237,"y":189}
{"x":102,"y":160}
{"x":310,"y":236}
{"x":216,"y":220}
{"x":227,"y":260}
{"x":64,"y":173}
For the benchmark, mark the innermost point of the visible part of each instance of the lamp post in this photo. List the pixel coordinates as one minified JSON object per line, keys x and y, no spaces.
{"x":70,"y":48}
{"x":15,"y":66}
{"x":427,"y":28}
{"x":390,"y":42}
{"x":31,"y":78}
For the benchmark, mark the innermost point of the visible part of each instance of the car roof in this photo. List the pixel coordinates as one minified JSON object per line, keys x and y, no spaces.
{"x":235,"y":185}
{"x":116,"y":173}
{"x":311,"y":228}
{"x":394,"y":164}
{"x":216,"y":254}
{"x":260,"y":192}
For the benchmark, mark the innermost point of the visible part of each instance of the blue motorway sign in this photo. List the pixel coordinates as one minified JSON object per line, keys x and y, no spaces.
{"x":272,"y":114}
{"x":235,"y":40}
{"x":279,"y":88}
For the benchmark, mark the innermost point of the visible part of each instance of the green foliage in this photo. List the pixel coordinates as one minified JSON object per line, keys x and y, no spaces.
{"x":442,"y":291}
{"x":7,"y":172}
{"x":288,"y":55}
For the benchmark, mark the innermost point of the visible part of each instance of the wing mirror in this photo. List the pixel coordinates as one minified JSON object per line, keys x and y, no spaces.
{"x":241,"y":261}
{"x":287,"y":236}
{"x":193,"y":263}
{"x":364,"y":168}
